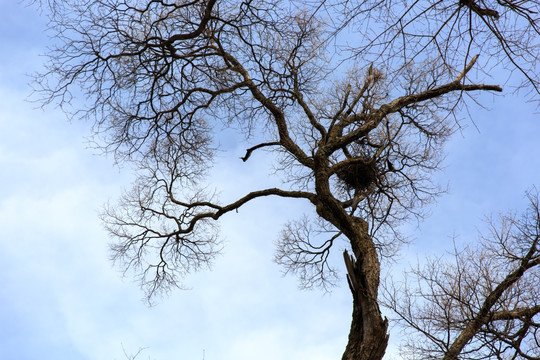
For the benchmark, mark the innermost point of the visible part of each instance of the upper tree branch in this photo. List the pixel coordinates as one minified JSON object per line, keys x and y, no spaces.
{"x":371,"y":78}
{"x":372,"y":120}
{"x":277,"y":113}
{"x":200,"y":29}
{"x":300,"y":98}
{"x":251,"y":149}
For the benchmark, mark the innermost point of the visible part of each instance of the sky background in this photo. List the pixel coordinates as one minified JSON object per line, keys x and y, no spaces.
{"x":60,"y":297}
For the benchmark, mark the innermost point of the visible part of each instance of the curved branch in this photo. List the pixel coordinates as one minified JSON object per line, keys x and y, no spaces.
{"x":200,"y":29}
{"x":251,"y":149}
{"x":221,"y":210}
{"x":277,"y":113}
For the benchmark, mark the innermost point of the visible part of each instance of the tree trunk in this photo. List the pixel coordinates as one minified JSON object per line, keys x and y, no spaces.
{"x":367,"y":338}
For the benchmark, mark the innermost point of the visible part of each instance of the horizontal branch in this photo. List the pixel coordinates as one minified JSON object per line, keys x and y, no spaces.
{"x":455,"y":85}
{"x":262,"y":193}
{"x":221,"y":210}
{"x":526,"y":312}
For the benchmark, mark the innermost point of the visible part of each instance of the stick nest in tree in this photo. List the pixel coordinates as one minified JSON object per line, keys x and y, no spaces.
{"x":358,"y":175}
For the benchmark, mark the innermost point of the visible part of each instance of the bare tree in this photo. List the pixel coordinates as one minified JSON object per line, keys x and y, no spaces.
{"x":484,"y":303}
{"x":357,"y":140}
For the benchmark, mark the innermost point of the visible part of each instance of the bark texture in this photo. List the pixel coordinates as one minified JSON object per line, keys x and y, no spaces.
{"x":368,"y":338}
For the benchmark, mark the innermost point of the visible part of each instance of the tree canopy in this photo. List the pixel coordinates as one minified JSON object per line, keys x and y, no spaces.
{"x":355,"y":99}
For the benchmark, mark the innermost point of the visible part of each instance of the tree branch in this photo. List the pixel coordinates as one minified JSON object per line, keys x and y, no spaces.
{"x":371,"y":121}
{"x":526,"y":312}
{"x":482,"y":316}
{"x":238,"y":203}
{"x":200,"y":29}
{"x":277,"y":113}
{"x":251,"y":149}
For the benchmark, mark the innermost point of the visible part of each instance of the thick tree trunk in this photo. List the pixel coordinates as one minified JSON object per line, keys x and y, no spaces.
{"x":367,"y":338}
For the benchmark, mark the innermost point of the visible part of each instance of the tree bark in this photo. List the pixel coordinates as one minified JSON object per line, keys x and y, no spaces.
{"x":367,"y":338}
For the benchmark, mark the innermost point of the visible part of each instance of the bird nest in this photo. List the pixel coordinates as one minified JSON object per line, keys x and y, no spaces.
{"x":359,"y":174}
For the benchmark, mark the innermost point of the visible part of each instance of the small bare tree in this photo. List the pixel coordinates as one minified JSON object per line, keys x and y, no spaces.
{"x":356,"y":139}
{"x":482,"y":304}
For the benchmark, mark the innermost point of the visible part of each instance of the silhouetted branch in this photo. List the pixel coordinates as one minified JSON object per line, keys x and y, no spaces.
{"x":251,"y":149}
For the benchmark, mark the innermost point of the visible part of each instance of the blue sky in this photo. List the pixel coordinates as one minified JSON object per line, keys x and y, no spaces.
{"x":60,"y":297}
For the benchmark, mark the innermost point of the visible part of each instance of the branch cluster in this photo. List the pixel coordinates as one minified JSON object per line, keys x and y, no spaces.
{"x":398,"y":33}
{"x":160,"y":79}
{"x":484,"y":303}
